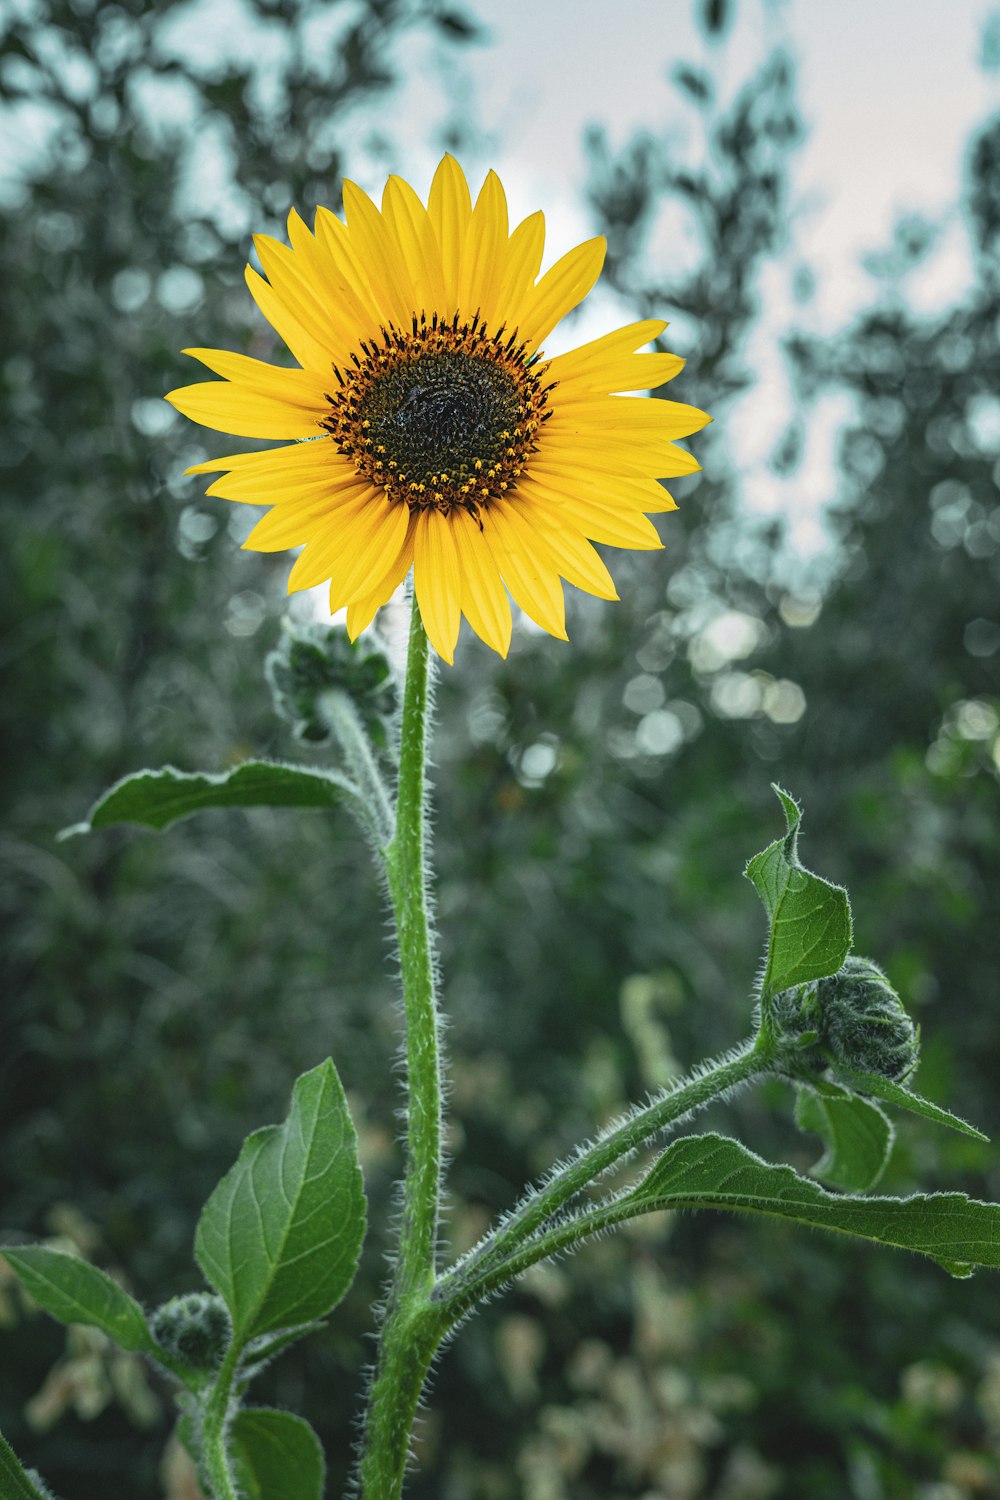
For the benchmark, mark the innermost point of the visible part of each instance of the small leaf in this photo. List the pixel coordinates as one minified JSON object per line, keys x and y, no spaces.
{"x":74,"y":1291}
{"x":158,"y":798}
{"x":279,"y":1456}
{"x":710,"y":1171}
{"x":280,"y":1236}
{"x":810,"y":917}
{"x":895,"y":1093}
{"x":260,"y":1351}
{"x":857,"y":1135}
{"x":15,"y":1482}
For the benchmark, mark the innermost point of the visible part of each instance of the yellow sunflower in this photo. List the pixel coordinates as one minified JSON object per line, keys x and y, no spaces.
{"x":429,"y":430}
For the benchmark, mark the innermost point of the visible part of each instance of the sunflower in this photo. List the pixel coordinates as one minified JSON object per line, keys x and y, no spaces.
{"x":428,"y":430}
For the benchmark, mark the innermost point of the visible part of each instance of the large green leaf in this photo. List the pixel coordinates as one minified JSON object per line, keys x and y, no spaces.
{"x":15,"y":1482}
{"x":158,"y":798}
{"x":904,"y":1098}
{"x":280,"y":1236}
{"x":857,"y":1135}
{"x":810,"y":917}
{"x":74,"y":1291}
{"x":278,"y":1455}
{"x":711,"y":1171}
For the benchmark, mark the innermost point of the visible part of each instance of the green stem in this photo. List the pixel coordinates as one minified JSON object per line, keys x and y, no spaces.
{"x":214,"y":1452}
{"x":529,"y":1234}
{"x":341,"y":715}
{"x":413,"y":1326}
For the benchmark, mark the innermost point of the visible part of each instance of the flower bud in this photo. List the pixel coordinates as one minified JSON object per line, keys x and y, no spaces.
{"x":853,"y":1020}
{"x":313,"y":659}
{"x":195,"y":1328}
{"x":867,"y":1026}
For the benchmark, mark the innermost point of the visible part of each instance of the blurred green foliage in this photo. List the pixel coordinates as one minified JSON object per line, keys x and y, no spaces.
{"x":595,"y":805}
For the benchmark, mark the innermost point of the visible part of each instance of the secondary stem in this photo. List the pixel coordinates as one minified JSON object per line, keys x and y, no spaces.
{"x":412,"y":1327}
{"x":520,"y":1242}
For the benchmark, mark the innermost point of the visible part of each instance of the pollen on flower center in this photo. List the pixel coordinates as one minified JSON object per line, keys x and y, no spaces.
{"x":442,"y":415}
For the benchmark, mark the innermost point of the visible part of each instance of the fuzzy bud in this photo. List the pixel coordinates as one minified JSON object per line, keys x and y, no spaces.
{"x":195,"y":1328}
{"x":313,"y":659}
{"x":853,"y":1020}
{"x":867,"y":1025}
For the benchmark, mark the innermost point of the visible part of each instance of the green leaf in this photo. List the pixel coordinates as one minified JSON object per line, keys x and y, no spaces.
{"x":15,"y":1482}
{"x":279,"y":1456}
{"x":711,"y":1171}
{"x":895,"y":1093}
{"x":280,"y":1236}
{"x":74,"y":1291}
{"x":158,"y":798}
{"x":857,"y":1135}
{"x":810,"y":917}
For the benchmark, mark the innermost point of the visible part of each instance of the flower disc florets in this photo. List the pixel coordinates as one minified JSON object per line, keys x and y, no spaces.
{"x":443,"y":415}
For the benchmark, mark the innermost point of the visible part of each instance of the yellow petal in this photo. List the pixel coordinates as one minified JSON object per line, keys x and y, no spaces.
{"x":575,"y":480}
{"x":296,"y":387}
{"x":629,"y":372}
{"x":573,"y":556}
{"x":437,"y":582}
{"x":598,"y":351}
{"x":484,"y":599}
{"x":280,"y":474}
{"x":601,"y":521}
{"x":332,"y":540}
{"x":520,"y":557}
{"x":350,"y":282}
{"x":485,"y":242}
{"x":415,"y":233}
{"x":361,"y":612}
{"x":523,"y":260}
{"x":288,"y":323}
{"x":668,"y":419}
{"x":345,"y":299}
{"x":449,"y":206}
{"x":636,"y":459}
{"x":376,"y":539}
{"x":232,"y":408}
{"x":380,"y":253}
{"x":289,"y":276}
{"x":293,"y":522}
{"x":560,"y":289}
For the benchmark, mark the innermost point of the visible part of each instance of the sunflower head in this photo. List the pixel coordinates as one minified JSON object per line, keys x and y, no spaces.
{"x":429,"y":430}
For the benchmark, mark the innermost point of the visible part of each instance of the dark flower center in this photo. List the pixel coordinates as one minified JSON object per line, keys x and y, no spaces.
{"x":441,"y":416}
{"x":442,"y":413}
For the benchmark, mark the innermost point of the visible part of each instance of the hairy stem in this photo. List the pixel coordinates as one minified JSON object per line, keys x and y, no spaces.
{"x":214,"y":1450}
{"x":413,"y":1326}
{"x":340,"y":714}
{"x":530,"y":1234}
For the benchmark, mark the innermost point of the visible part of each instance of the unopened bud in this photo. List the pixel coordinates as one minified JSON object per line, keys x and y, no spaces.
{"x":868,"y":1028}
{"x":313,"y":659}
{"x":195,"y":1328}
{"x":853,"y":1020}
